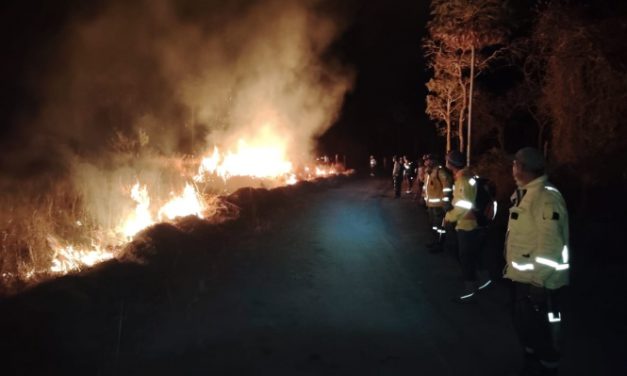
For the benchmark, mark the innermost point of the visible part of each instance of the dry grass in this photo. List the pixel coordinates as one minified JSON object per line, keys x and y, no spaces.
{"x":31,"y":214}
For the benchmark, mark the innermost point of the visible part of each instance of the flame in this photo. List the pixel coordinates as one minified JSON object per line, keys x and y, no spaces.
{"x":140,"y":218}
{"x":67,"y":258}
{"x":324,"y":171}
{"x":188,"y":203}
{"x":266,"y":161}
{"x":291,"y":180}
{"x":262,"y":160}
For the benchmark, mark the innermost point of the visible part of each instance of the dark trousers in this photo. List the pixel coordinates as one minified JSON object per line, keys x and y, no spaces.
{"x":397,"y":181}
{"x":531,"y":310}
{"x":436,"y":216}
{"x":410,"y":181}
{"x":471,"y":244}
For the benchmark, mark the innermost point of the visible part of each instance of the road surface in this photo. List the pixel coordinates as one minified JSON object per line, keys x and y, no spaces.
{"x":329,"y":279}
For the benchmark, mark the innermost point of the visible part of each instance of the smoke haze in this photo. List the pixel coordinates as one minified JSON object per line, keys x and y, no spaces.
{"x":185,"y":76}
{"x":122,"y":83}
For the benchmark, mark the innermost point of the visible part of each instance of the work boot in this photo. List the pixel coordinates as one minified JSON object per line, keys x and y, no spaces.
{"x":469,"y":294}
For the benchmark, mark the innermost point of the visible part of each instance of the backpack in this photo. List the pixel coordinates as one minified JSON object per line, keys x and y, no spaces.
{"x":485,"y":204}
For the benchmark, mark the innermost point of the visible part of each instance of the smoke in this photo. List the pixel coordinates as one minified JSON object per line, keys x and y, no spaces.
{"x":189,"y":76}
{"x":126,"y":83}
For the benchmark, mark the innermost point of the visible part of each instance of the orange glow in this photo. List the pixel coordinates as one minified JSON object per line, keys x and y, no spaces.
{"x":67,"y":258}
{"x":264,"y":159}
{"x":324,"y":171}
{"x":140,"y":218}
{"x":188,"y":203}
{"x":260,"y":161}
{"x":291,"y":180}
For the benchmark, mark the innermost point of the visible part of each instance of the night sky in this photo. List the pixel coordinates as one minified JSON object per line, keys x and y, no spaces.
{"x":383,"y":114}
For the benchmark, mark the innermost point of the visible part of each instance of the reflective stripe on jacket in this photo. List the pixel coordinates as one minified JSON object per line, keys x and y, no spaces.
{"x":438,"y":187}
{"x":464,"y":194}
{"x":537,"y":237}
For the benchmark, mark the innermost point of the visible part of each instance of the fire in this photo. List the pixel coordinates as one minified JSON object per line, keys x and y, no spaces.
{"x":189,"y":203}
{"x":140,"y":218}
{"x":67,"y":258}
{"x":291,"y":180}
{"x":256,"y":161}
{"x":324,"y":171}
{"x":260,"y":160}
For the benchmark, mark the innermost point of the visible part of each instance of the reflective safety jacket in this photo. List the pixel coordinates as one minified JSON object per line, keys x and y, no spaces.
{"x":537,"y":236}
{"x":464,"y":195}
{"x":438,"y":187}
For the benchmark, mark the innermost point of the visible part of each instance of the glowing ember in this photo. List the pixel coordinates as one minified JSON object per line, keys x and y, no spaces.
{"x":189,"y":203}
{"x":322,"y":171}
{"x":67,"y":258}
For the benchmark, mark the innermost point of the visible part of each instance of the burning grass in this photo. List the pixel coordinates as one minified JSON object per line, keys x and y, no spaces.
{"x":55,"y":226}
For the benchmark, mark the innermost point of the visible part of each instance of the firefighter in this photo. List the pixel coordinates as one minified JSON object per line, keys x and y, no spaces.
{"x":422,"y":177}
{"x":537,"y":261}
{"x":438,"y":190}
{"x":470,"y":237}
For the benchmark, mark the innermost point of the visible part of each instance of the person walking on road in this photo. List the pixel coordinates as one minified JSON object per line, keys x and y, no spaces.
{"x":537,"y":261}
{"x":470,"y":236}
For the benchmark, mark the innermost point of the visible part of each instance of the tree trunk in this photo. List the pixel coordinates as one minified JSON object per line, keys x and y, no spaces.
{"x":460,"y":124}
{"x":472,"y":80}
{"x":448,"y":125}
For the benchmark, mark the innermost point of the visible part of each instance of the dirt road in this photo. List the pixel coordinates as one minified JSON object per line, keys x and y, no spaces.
{"x":324,"y":280}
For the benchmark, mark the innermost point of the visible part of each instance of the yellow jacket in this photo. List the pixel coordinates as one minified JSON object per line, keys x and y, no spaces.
{"x":464,"y":194}
{"x":537,"y":236}
{"x":438,"y":187}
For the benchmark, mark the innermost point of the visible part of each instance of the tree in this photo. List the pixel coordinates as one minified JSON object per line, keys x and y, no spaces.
{"x":583,"y":91}
{"x":469,"y":30}
{"x":446,"y":96}
{"x":576,"y":74}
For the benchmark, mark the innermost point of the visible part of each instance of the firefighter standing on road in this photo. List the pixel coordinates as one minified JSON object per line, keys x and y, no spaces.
{"x":421,"y":176}
{"x":470,"y":236}
{"x":537,"y":261}
{"x":438,"y":190}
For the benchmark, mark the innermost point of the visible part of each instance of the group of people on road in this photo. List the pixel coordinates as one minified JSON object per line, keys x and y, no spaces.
{"x":405,"y":171}
{"x":536,"y":253}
